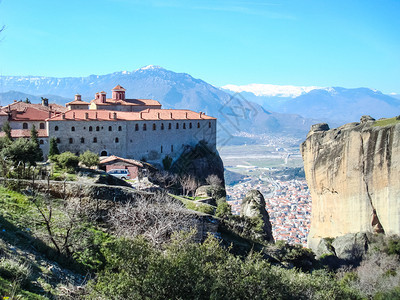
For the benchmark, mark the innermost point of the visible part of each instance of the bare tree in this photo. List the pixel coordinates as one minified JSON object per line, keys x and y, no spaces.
{"x":165,"y":179}
{"x":214,"y":180}
{"x":189,"y":184}
{"x":155,"y":218}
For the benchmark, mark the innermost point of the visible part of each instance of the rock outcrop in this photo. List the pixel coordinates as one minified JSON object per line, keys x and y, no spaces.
{"x":353,"y":174}
{"x":253,"y":207}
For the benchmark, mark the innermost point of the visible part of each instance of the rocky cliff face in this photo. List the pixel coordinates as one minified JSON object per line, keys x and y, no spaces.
{"x":353,"y":174}
{"x":253,"y":207}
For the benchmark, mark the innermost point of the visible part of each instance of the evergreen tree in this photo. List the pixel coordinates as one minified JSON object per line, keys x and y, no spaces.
{"x":27,"y":101}
{"x":53,"y":147}
{"x":7,"y":129}
{"x":38,"y":155}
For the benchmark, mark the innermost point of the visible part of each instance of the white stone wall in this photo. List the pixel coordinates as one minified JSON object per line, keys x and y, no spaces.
{"x":153,"y":145}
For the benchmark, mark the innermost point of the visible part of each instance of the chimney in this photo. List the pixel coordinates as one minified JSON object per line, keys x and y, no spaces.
{"x":200,"y":115}
{"x":63,"y":116}
{"x":78,"y":97}
{"x":96,"y":96}
{"x":103,"y":97}
{"x":186,"y":115}
{"x":45,"y":101}
{"x":86,"y":116}
{"x":109,"y":115}
{"x":96,"y":115}
{"x":141,"y":115}
{"x":158,"y":116}
{"x":171,"y":115}
{"x":73,"y":115}
{"x":115,"y":116}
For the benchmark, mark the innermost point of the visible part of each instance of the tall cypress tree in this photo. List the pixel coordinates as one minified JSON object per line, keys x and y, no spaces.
{"x":53,"y":147}
{"x":35,"y":141}
{"x":7,"y":129}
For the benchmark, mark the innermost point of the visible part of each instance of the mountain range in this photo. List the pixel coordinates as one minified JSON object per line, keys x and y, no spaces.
{"x":255,"y":109}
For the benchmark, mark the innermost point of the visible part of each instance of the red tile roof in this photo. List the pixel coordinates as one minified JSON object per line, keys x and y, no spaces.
{"x":133,"y":102}
{"x":31,"y":114}
{"x":78,"y":102}
{"x":21,"y":106}
{"x":113,"y":158}
{"x":148,"y":114}
{"x":118,"y":87}
{"x":17,"y":133}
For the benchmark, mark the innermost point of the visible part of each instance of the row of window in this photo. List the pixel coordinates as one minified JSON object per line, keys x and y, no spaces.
{"x":137,"y":127}
{"x":82,"y":140}
{"x":26,"y":126}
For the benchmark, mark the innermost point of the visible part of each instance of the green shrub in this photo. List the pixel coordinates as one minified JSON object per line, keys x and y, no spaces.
{"x":14,"y":270}
{"x":89,"y":159}
{"x":223,"y":209}
{"x":66,"y":161}
{"x":167,"y":162}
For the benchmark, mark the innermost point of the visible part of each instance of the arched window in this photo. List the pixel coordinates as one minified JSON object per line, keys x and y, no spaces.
{"x":162,"y":126}
{"x":82,"y":140}
{"x":154,"y":126}
{"x":71,"y":141}
{"x":209,"y":124}
{"x":190,"y":125}
{"x":119,"y":128}
{"x":97,"y":128}
{"x":109,"y":128}
{"x":72,"y":128}
{"x":103,"y":153}
{"x":95,"y":140}
{"x":41,"y":126}
{"x":90,"y":128}
{"x":198,"y":124}
{"x":136,"y":127}
{"x":161,"y":149}
{"x":58,"y":140}
{"x":24,"y":125}
{"x":116,"y":140}
{"x":144,"y":127}
{"x":169,"y":125}
{"x":177,"y":125}
{"x":172,"y":148}
{"x":184,"y":125}
{"x":56,"y":128}
{"x":41,"y":142}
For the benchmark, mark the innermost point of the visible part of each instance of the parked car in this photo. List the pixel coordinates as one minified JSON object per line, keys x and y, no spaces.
{"x":120,"y":173}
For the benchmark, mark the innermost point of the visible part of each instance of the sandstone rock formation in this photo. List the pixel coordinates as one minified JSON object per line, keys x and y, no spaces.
{"x":353,"y":174}
{"x":253,"y":207}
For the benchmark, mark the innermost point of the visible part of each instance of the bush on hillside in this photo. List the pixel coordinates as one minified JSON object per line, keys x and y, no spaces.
{"x":89,"y":159}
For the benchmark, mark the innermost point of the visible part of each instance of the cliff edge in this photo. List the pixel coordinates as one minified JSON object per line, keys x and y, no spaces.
{"x":353,"y":175}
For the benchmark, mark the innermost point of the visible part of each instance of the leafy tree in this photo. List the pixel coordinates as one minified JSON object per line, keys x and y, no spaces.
{"x":66,"y":160}
{"x":89,"y":159}
{"x":7,"y":129}
{"x":53,"y":147}
{"x":35,"y":140}
{"x":21,"y":150}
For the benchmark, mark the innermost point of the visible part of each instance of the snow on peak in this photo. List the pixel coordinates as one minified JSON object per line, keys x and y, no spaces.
{"x":150,"y":67}
{"x":270,"y":90}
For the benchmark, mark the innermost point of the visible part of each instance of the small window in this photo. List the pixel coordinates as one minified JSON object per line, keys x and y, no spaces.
{"x":116,"y":140}
{"x":190,"y":125}
{"x":24,"y":125}
{"x":97,"y":128}
{"x":71,"y":141}
{"x":136,"y":127}
{"x":56,"y":128}
{"x":119,"y":128}
{"x":198,"y":124}
{"x":154,"y":126}
{"x":144,"y":127}
{"x":209,"y":124}
{"x":169,"y":125}
{"x":95,"y":140}
{"x":184,"y":125}
{"x":82,"y":140}
{"x":177,"y":125}
{"x":109,"y":128}
{"x":172,"y":148}
{"x":72,"y":128}
{"x":161,"y":149}
{"x":162,"y":126}
{"x":41,"y":126}
{"x":90,"y":128}
{"x":41,"y":142}
{"x":58,"y":140}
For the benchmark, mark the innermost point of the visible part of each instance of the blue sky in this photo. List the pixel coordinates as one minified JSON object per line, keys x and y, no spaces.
{"x":299,"y":42}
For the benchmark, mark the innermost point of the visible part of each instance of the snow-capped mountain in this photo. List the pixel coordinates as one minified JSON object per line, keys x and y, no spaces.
{"x":270,"y":90}
{"x":173,"y":90}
